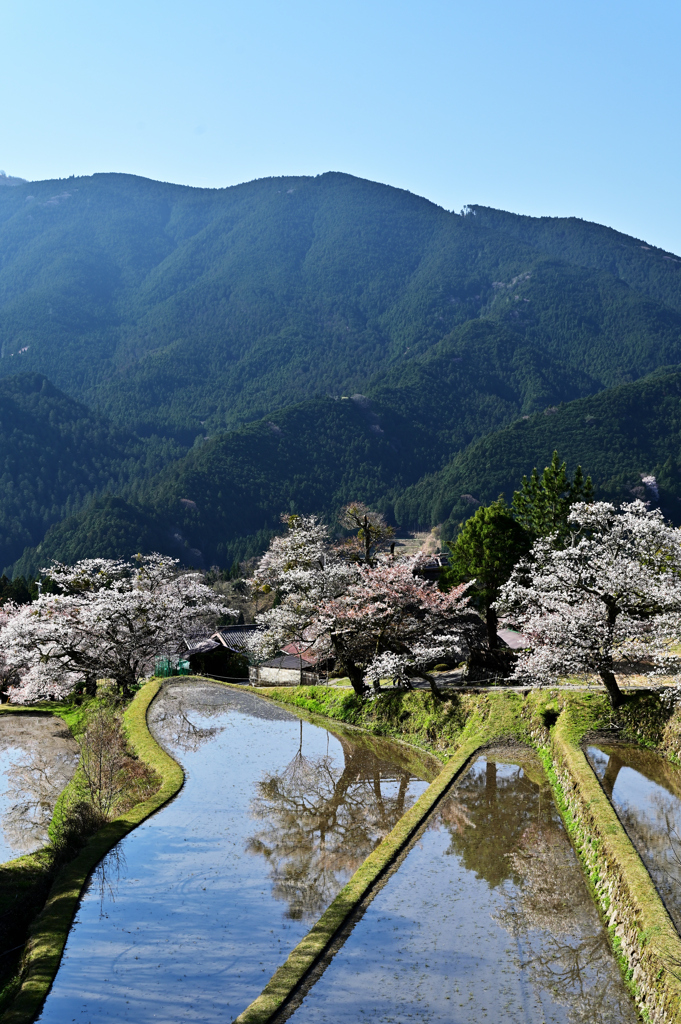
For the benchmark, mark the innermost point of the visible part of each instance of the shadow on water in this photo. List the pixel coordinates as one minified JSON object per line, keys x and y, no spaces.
{"x":645,"y":791}
{"x":38,"y":756}
{"x":486,"y":917}
{"x":191,"y":913}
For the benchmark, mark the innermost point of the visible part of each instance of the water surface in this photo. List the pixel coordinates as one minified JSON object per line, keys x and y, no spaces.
{"x":488,"y":918}
{"x":38,"y":756}
{"x":193,"y":911}
{"x":645,"y":791}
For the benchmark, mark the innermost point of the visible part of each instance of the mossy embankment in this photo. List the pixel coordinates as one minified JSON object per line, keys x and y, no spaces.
{"x":556,"y":723}
{"x":53,"y":878}
{"x":441,"y":725}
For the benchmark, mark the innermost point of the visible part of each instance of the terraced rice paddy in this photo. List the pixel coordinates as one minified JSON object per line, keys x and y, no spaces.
{"x":38,"y":756}
{"x":645,"y":791}
{"x":189,"y":916}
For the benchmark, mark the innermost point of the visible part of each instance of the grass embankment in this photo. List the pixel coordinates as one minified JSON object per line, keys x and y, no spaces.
{"x":644,"y":939}
{"x":33,"y":874}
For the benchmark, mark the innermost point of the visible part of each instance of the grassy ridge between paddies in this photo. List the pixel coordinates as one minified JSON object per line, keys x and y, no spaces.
{"x":555,"y":723}
{"x":50,"y":929}
{"x":642,"y":933}
{"x":468,"y":721}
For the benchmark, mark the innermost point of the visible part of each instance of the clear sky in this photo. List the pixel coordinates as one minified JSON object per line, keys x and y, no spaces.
{"x":535,"y":107}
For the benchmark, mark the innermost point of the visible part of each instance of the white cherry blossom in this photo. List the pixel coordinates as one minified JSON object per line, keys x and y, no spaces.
{"x":111,"y":619}
{"x":612,"y":594}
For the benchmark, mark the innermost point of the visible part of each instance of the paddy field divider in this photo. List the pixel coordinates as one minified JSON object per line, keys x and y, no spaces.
{"x":49,"y":931}
{"x":287,"y":979}
{"x":642,"y":933}
{"x":643,"y":936}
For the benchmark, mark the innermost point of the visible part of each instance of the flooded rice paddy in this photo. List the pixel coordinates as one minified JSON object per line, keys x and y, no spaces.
{"x":191,"y":913}
{"x":645,"y":791}
{"x":487,"y":918}
{"x":38,"y":756}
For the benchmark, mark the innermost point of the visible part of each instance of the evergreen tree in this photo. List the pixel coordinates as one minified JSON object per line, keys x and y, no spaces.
{"x":486,"y":550}
{"x":541,"y":505}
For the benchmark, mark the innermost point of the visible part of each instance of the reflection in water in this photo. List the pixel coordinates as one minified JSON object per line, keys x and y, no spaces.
{"x":209,"y":899}
{"x":38,"y":756}
{"x":645,"y":791}
{"x":172,"y":722}
{"x":320,"y":819}
{"x":487,"y":918}
{"x":106,"y":877}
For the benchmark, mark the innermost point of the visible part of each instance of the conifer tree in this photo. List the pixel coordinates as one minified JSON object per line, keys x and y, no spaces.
{"x":541,"y":505}
{"x":491,"y":542}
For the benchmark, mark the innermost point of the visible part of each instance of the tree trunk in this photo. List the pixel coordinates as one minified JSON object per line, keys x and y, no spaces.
{"x":355,"y":674}
{"x":433,"y":686}
{"x":614,"y":693}
{"x":490,"y":781}
{"x":125,"y":684}
{"x":492,"y":622}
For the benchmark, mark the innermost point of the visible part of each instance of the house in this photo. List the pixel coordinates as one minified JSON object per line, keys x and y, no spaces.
{"x":293,"y":667}
{"x":283,"y":671}
{"x":224,"y":654}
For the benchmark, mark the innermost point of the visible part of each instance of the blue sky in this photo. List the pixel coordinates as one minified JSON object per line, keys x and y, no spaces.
{"x":541,"y":108}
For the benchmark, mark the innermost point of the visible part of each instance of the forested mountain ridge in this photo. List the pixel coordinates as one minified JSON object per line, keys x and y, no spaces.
{"x":643,"y":267}
{"x":174,"y":309}
{"x":54,"y":454}
{"x":628,"y":438}
{"x":297,"y":342}
{"x":221,"y":502}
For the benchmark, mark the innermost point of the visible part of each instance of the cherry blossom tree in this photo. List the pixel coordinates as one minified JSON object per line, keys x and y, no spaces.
{"x":109,"y":618}
{"x":389,"y":623}
{"x":8,"y":670}
{"x":302,"y":572}
{"x":612,"y":594}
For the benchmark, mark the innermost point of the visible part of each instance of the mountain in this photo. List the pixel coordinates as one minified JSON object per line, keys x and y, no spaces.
{"x":627,"y":438}
{"x":218,"y":355}
{"x":221,"y":502}
{"x":54,"y":454}
{"x":182,"y":310}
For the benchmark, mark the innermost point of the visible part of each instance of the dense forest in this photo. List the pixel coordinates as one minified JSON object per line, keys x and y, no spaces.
{"x":177,"y":365}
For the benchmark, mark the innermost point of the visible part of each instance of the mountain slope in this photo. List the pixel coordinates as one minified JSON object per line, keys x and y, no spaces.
{"x":54,"y":453}
{"x":221,"y":502}
{"x":618,"y":436}
{"x":176,"y":309}
{"x":232,"y":322}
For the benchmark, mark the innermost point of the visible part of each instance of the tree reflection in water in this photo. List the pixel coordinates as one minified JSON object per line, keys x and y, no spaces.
{"x":318,"y":822}
{"x":560,"y":940}
{"x":106,"y":877}
{"x":508,"y":832}
{"x":38,"y":756}
{"x":172,"y":724}
{"x":645,"y":791}
{"x":34,"y":781}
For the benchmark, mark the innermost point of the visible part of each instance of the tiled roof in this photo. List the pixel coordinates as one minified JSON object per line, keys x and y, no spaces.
{"x":287,"y":661}
{"x":235,"y":638}
{"x":199,"y":645}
